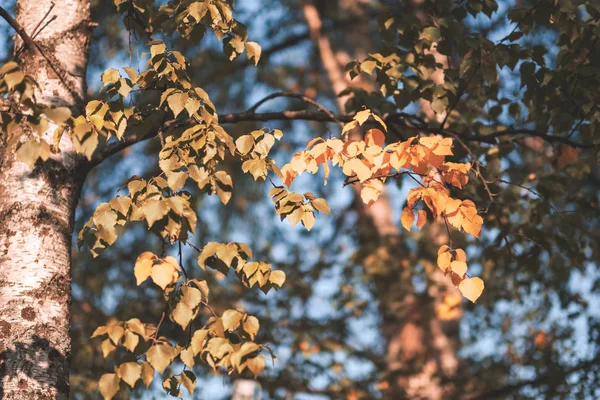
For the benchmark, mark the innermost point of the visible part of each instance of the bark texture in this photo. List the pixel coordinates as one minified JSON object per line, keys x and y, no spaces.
{"x":37,"y":208}
{"x":420,"y":329}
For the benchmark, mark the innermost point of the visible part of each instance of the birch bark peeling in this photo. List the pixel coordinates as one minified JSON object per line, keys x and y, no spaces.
{"x":37,"y":209}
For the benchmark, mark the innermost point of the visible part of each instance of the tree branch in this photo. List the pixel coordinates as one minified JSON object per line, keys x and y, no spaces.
{"x":33,"y":46}
{"x":320,"y":116}
{"x":19,"y":29}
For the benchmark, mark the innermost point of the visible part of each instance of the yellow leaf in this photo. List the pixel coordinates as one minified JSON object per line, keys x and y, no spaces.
{"x":130,"y":373}
{"x":251,"y":326}
{"x":460,"y":255}
{"x":256,"y":365}
{"x":109,"y":385}
{"x":407,"y":218}
{"x":277,"y":278}
{"x":30,"y":151}
{"x":231,"y":319}
{"x":198,"y":340}
{"x":459,"y":268}
{"x":160,"y":356}
{"x":295,"y":216}
{"x":155,"y":210}
{"x":143,"y":266}
{"x":131,"y":341}
{"x":219,"y":347}
{"x":187,"y":356}
{"x":107,"y":347}
{"x":253,"y":50}
{"x":321,"y":205}
{"x":362,"y":116}
{"x":115,"y":333}
{"x":244,"y":143}
{"x":471,"y":288}
{"x":163,"y":274}
{"x":157,"y":49}
{"x":131,"y":73}
{"x":13,"y":79}
{"x":473,"y":225}
{"x":308,"y":219}
{"x":191,"y":296}
{"x":188,"y":380}
{"x":227,"y":252}
{"x":147,"y":373}
{"x":111,"y":75}
{"x":177,"y":102}
{"x":58,"y":114}
{"x":443,"y":260}
{"x":182,"y":314}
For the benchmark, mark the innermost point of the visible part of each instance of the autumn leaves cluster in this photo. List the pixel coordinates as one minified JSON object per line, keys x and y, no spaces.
{"x":145,"y":351}
{"x":369,"y":162}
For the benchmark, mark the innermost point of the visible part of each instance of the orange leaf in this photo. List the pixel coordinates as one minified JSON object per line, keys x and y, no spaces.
{"x":422,"y":218}
{"x":407,"y":218}
{"x":375,"y":137}
{"x":443,"y":260}
{"x":471,"y":288}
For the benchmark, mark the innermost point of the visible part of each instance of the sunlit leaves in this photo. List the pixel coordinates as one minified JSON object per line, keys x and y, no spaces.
{"x":163,"y":271}
{"x":254,"y":149}
{"x":224,"y":256}
{"x":130,"y":373}
{"x":296,"y":207}
{"x":109,"y":385}
{"x":160,"y":356}
{"x":471,"y":288}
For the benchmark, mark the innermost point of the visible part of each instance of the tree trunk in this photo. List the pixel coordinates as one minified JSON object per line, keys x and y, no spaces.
{"x":37,"y":209}
{"x":421,"y":342}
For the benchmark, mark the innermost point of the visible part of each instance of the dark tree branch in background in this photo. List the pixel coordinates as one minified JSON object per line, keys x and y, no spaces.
{"x":19,"y":29}
{"x":302,"y":97}
{"x":401,"y":119}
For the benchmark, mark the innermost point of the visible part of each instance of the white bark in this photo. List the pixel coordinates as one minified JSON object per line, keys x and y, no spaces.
{"x":37,"y":210}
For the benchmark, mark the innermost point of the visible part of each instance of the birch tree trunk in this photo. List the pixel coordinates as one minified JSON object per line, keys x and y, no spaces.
{"x":37,"y":209}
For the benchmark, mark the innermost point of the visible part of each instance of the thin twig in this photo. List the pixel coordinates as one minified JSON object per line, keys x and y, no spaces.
{"x":33,"y":46}
{"x":295,"y":96}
